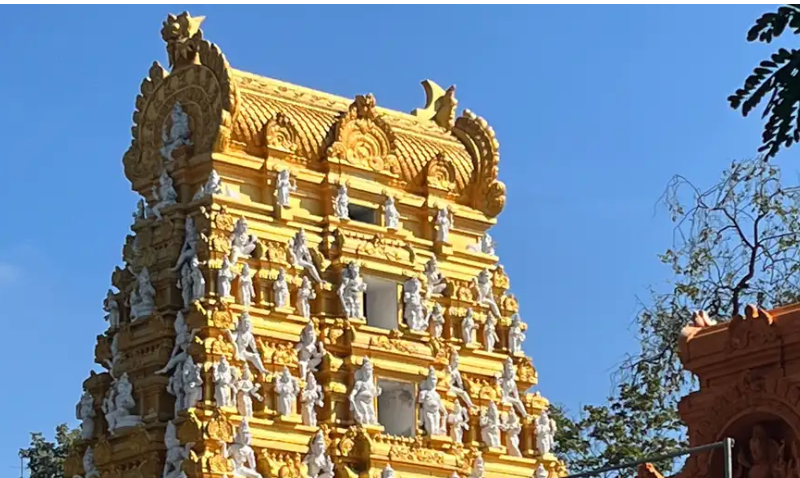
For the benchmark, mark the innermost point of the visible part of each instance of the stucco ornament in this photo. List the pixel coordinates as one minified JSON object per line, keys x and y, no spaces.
{"x":119,"y":405}
{"x":143,"y":296}
{"x":242,"y":454}
{"x":317,"y":461}
{"x":545,"y":433}
{"x":490,"y":426}
{"x":175,"y":133}
{"x":443,"y":221}
{"x":468,"y":327}
{"x":485,"y":294}
{"x":176,"y":453}
{"x":189,"y":247}
{"x":213,"y":185}
{"x":508,"y":387}
{"x":301,"y":256}
{"x":310,"y":351}
{"x":485,"y":245}
{"x":350,"y":289}
{"x":225,"y":276}
{"x":458,"y":421}
{"x":89,"y":467}
{"x":284,"y":186}
{"x":435,"y":279}
{"x":414,"y":312}
{"x":111,"y":307}
{"x":245,"y":391}
{"x":287,"y":388}
{"x":341,"y":203}
{"x":280,"y":290}
{"x":362,"y":397}
{"x":223,"y":383}
{"x":192,"y":283}
{"x":164,"y":195}
{"x":436,"y":321}
{"x":242,"y":242}
{"x":84,"y":412}
{"x":456,"y":382}
{"x":305,"y":294}
{"x":244,"y":342}
{"x":432,"y":413}
{"x":246,"y":290}
{"x":490,"y":337}
{"x":391,"y":218}
{"x":512,"y":428}
{"x":516,"y":337}
{"x":311,"y":397}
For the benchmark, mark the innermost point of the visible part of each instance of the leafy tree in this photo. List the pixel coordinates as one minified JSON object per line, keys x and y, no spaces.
{"x":734,"y":243}
{"x":46,"y":458}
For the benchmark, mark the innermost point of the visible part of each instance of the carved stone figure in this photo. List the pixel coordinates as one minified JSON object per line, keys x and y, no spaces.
{"x":246,"y":289}
{"x":189,"y":247}
{"x":310,"y":351}
{"x":763,"y":457}
{"x":350,"y":290}
{"x":119,"y":405}
{"x":284,"y":186}
{"x":456,"y":383}
{"x":515,"y":335}
{"x":391,"y":217}
{"x":512,"y":428}
{"x":111,"y":306}
{"x":311,"y":397}
{"x":458,"y":421}
{"x":508,"y":387}
{"x":242,"y":454}
{"x":444,"y":221}
{"x":317,"y":461}
{"x":545,"y":433}
{"x":485,"y":245}
{"x":242,"y":242}
{"x":89,"y":467}
{"x":183,"y":339}
{"x":176,"y":453}
{"x":141,"y":211}
{"x":287,"y":388}
{"x":301,"y":256}
{"x":176,"y":134}
{"x":414,"y":312}
{"x":143,"y":296}
{"x":432,"y":414}
{"x":477,"y":468}
{"x":176,"y":389}
{"x":244,"y":342}
{"x":223,"y":383}
{"x":163,"y":196}
{"x":192,"y":283}
{"x":225,"y":276}
{"x":435,"y":279}
{"x":485,"y":294}
{"x":540,"y":472}
{"x":468,"y":327}
{"x":116,"y":355}
{"x":245,"y":391}
{"x":490,"y":426}
{"x":362,"y":397}
{"x":387,"y":472}
{"x":84,"y":412}
{"x":490,"y":337}
{"x":341,"y":204}
{"x":436,"y":321}
{"x":212,"y":186}
{"x":280,"y":290}
{"x":305,"y":294}
{"x":192,"y":381}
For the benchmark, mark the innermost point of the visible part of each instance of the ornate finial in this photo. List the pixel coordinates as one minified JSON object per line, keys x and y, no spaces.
{"x":182,"y":34}
{"x":364,"y":106}
{"x":440,"y":105}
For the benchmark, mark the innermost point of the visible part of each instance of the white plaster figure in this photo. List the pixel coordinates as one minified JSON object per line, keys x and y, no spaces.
{"x":317,"y":461}
{"x":485,"y":294}
{"x":515,"y":335}
{"x":305,"y":294}
{"x":508,"y":387}
{"x":310,"y":351}
{"x":362,"y":397}
{"x":301,"y":256}
{"x":111,"y":306}
{"x":490,"y":337}
{"x":212,"y":186}
{"x":414,"y":312}
{"x":89,"y":467}
{"x":490,"y":426}
{"x":456,"y":382}
{"x":341,"y":203}
{"x":242,"y":454}
{"x":177,"y":134}
{"x":115,"y":354}
{"x":246,"y":290}
{"x":244,"y":342}
{"x":192,"y":283}
{"x":477,"y":468}
{"x":311,"y":397}
{"x":140,"y":213}
{"x":485,"y":245}
{"x":444,"y":221}
{"x":242,"y":242}
{"x":435,"y":279}
{"x":436,"y":320}
{"x":142,"y":299}
{"x":391,"y":217}
{"x":458,"y":421}
{"x":512,"y":428}
{"x":84,"y":412}
{"x":701,"y":319}
{"x":545,"y":432}
{"x":164,"y":196}
{"x":245,"y":391}
{"x":432,"y":414}
{"x":192,"y":381}
{"x":223,"y":383}
{"x":468,"y":327}
{"x":350,"y":289}
{"x":118,"y":405}
{"x":280,"y":290}
{"x":225,"y":276}
{"x":287,"y":388}
{"x":387,"y":472}
{"x":284,"y":186}
{"x":189,"y":247}
{"x":183,"y":339}
{"x":540,"y":472}
{"x":176,"y":453}
{"x":175,"y":388}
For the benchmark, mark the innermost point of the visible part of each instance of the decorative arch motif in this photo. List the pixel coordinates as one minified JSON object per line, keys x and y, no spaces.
{"x":440,"y":173}
{"x":488,"y":192}
{"x":280,"y":134}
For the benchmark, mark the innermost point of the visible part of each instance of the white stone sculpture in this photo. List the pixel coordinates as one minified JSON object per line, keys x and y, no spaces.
{"x":387,"y":472}
{"x":212,"y":186}
{"x":244,"y":342}
{"x":435,"y":279}
{"x":490,"y":426}
{"x":311,"y":397}
{"x":540,"y":472}
{"x":287,"y":388}
{"x":176,"y":389}
{"x":116,"y":355}
{"x":363,"y":395}
{"x":84,"y":412}
{"x":456,"y":382}
{"x":508,"y":387}
{"x":223,"y":383}
{"x":458,"y":421}
{"x":183,"y":339}
{"x":391,"y":218}
{"x":242,"y":242}
{"x":515,"y":335}
{"x":305,"y":294}
{"x":350,"y":289}
{"x":192,"y":283}
{"x":141,"y":211}
{"x":284,"y":186}
{"x":310,"y":351}
{"x":246,"y":290}
{"x":432,"y":414}
{"x":163,"y":196}
{"x":142,"y":299}
{"x":245,"y":391}
{"x":485,"y":294}
{"x":301,"y":256}
{"x":477,"y":468}
{"x":176,"y":453}
{"x":176,"y":134}
{"x":414,"y":312}
{"x":280,"y":290}
{"x":512,"y":428}
{"x":490,"y":337}
{"x":468,"y":327}
{"x":89,"y":467}
{"x":189,"y":247}
{"x":119,"y":405}
{"x":111,"y":306}
{"x":242,"y":454}
{"x":225,"y":276}
{"x":485,"y":245}
{"x":444,"y":221}
{"x":436,"y":321}
{"x":317,"y":461}
{"x":545,"y":433}
{"x":341,"y":204}
{"x":192,"y":381}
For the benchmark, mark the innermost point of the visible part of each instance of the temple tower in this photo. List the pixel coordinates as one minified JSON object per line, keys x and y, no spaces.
{"x":308,"y":290}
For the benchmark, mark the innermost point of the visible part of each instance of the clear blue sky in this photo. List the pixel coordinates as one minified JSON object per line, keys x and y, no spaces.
{"x":595,"y":108}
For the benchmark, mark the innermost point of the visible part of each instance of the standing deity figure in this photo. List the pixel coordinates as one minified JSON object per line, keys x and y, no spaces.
{"x":362,"y":397}
{"x":765,"y":457}
{"x":545,"y":433}
{"x":436,"y":321}
{"x":142,"y":299}
{"x":318,"y":462}
{"x":515,"y":335}
{"x":245,"y":391}
{"x":490,"y":337}
{"x":456,"y":382}
{"x":225,"y":276}
{"x":310,"y":398}
{"x":223,"y":383}
{"x":350,"y":289}
{"x":164,"y":196}
{"x":490,"y":426}
{"x":287,"y":388}
{"x":189,"y":247}
{"x":485,"y":294}
{"x":212,"y":186}
{"x":84,"y":412}
{"x":244,"y":342}
{"x":444,"y":221}
{"x":458,"y":421}
{"x":176,"y":453}
{"x":512,"y":428}
{"x":280,"y":290}
{"x":485,"y":245}
{"x":242,"y":242}
{"x":301,"y":256}
{"x":183,"y":339}
{"x":192,"y":283}
{"x":284,"y":186}
{"x":141,"y":211}
{"x":111,"y":306}
{"x":118,"y":405}
{"x":508,"y":387}
{"x":477,"y":468}
{"x":432,"y":414}
{"x":540,"y":472}
{"x":341,"y":204}
{"x":468,"y":327}
{"x":414,"y":312}
{"x":192,"y":381}
{"x":176,"y":389}
{"x":116,"y":355}
{"x":246,"y":289}
{"x":242,"y":454}
{"x":391,"y":217}
{"x":89,"y":467}
{"x":310,"y":351}
{"x":305,"y":294}
{"x":177,"y":134}
{"x":435,"y":279}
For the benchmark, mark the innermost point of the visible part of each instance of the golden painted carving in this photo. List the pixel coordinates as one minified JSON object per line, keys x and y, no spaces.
{"x":509,"y":304}
{"x":183,"y":35}
{"x":389,"y":249}
{"x":277,"y":352}
{"x":340,"y":329}
{"x":222,"y":317}
{"x":219,"y":428}
{"x":525,"y":370}
{"x":416,"y":452}
{"x":500,"y":278}
{"x":102,"y":452}
{"x":440,"y":350}
{"x":440,"y":105}
{"x":73,"y":464}
{"x":218,"y":345}
{"x":489,"y":194}
{"x":280,"y":134}
{"x":217,"y":463}
{"x":280,"y":465}
{"x":440,"y":173}
{"x":272,"y":251}
{"x":191,"y":430}
{"x":459,"y":290}
{"x":395,"y":343}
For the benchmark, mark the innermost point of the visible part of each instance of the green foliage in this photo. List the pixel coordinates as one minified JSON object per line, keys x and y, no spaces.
{"x":46,"y":458}
{"x":733,"y":244}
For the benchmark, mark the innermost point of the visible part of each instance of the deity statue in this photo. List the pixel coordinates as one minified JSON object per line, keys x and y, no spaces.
{"x":341,"y":204}
{"x":223,"y":383}
{"x":245,"y":391}
{"x":458,"y":421}
{"x":164,"y":196}
{"x":391,"y":217}
{"x":545,"y":433}
{"x":350,"y":289}
{"x":116,"y":355}
{"x":176,"y":453}
{"x":436,"y":321}
{"x":485,"y":245}
{"x":387,"y":472}
{"x":212,"y":186}
{"x":435,"y":279}
{"x":242,"y":454}
{"x":468,"y":327}
{"x":280,"y":290}
{"x":301,"y":256}
{"x":490,"y":426}
{"x":456,"y":382}
{"x":490,"y":337}
{"x":225,"y":276}
{"x":287,"y":388}
{"x":84,"y":412}
{"x":284,"y":186}
{"x":317,"y":461}
{"x":766,"y":457}
{"x":192,"y":380}
{"x":414,"y":312}
{"x":515,"y":335}
{"x":305,"y":294}
{"x":192,"y":283}
{"x":177,"y":134}
{"x":89,"y":467}
{"x":189,"y":247}
{"x":432,"y":414}
{"x":310,"y":351}
{"x":246,"y":289}
{"x":485,"y":294}
{"x":141,"y":211}
{"x":444,"y":221}
{"x":118,"y":405}
{"x":311,"y":397}
{"x":508,"y":387}
{"x":183,"y":339}
{"x":176,"y":388}
{"x":540,"y":472}
{"x":362,"y":397}
{"x":244,"y":342}
{"x":111,"y":306}
{"x":142,"y":299}
{"x":242,"y":242}
{"x":477,"y":468}
{"x":512,"y":428}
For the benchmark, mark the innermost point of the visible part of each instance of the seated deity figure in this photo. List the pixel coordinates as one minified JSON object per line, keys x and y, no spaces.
{"x":301,"y":256}
{"x":490,"y":337}
{"x":164,"y":196}
{"x":305,"y":294}
{"x":515,"y":335}
{"x":111,"y":306}
{"x":223,"y":383}
{"x":432,"y":414}
{"x":287,"y":388}
{"x":176,"y":453}
{"x":310,"y":351}
{"x":183,"y":339}
{"x":490,"y":426}
{"x":212,"y":186}
{"x":225,"y":276}
{"x":189,"y":247}
{"x":444,"y":221}
{"x":350,"y":289}
{"x":512,"y":428}
{"x":118,"y":406}
{"x":485,"y":294}
{"x":458,"y":421}
{"x":436,"y":321}
{"x":341,"y":204}
{"x":414,"y":312}
{"x":317,"y":461}
{"x":176,"y":134}
{"x":142,"y":299}
{"x":545,"y":433}
{"x":435,"y":279}
{"x":242,"y":242}
{"x":244,"y":343}
{"x":485,"y":245}
{"x":477,"y":468}
{"x":508,"y":387}
{"x":311,"y":397}
{"x":284,"y":186}
{"x":192,"y":380}
{"x":468,"y":327}
{"x":280,"y":290}
{"x":241,"y":452}
{"x":246,"y":290}
{"x":192,"y":283}
{"x":391,"y":218}
{"x":84,"y":412}
{"x":245,"y":391}
{"x":362,"y":397}
{"x":456,"y":383}
{"x":89,"y":466}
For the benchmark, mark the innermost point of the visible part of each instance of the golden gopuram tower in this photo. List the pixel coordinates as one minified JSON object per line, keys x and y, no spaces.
{"x":308,"y":290}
